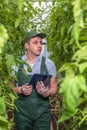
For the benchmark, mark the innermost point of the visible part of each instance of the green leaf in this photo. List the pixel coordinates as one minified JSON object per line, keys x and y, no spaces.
{"x":82,"y":67}
{"x":4,"y":124}
{"x":64,"y":117}
{"x":28,"y":66}
{"x":3,"y":106}
{"x":71,"y":88}
{"x":76,"y":33}
{"x":3,"y":36}
{"x":65,"y":67}
{"x":17,"y":22}
{"x":10,"y":61}
{"x":20,"y":5}
{"x":80,"y":54}
{"x":81,"y":83}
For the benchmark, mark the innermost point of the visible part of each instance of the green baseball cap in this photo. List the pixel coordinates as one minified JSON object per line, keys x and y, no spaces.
{"x":32,"y":34}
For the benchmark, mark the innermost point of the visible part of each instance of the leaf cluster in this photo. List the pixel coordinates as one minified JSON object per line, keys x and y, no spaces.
{"x":67,"y":43}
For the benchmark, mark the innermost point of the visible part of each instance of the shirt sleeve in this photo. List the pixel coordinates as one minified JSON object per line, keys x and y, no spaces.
{"x":51,"y":68}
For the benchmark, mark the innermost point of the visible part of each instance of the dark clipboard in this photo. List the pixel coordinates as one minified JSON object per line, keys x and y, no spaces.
{"x":40,"y":77}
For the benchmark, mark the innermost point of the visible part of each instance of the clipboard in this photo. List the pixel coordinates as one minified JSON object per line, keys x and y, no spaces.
{"x":40,"y":77}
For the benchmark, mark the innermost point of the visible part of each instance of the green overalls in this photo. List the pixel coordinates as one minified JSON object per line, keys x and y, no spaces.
{"x":34,"y":110}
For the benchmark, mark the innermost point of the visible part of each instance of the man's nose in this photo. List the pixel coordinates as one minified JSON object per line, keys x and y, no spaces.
{"x":40,"y":44}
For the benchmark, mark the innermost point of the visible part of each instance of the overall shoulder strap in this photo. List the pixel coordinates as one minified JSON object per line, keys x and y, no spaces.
{"x":20,"y":66}
{"x":23,"y":77}
{"x":43,"y":68}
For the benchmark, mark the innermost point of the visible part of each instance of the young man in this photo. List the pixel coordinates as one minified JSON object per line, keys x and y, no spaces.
{"x":33,"y":106}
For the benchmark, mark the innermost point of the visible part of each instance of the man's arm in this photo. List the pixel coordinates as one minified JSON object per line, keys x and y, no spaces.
{"x":16,"y":89}
{"x":53,"y":86}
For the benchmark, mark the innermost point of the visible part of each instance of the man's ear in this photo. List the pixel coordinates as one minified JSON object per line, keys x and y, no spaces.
{"x":26,"y":45}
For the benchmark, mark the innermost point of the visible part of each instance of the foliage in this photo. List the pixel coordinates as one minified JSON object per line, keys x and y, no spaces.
{"x":66,"y":29}
{"x":15,"y":18}
{"x":68,"y":44}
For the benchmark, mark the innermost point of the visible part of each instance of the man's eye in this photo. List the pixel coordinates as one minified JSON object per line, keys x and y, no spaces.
{"x":35,"y":42}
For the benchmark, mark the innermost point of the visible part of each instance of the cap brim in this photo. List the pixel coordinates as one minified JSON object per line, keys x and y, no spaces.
{"x":42,"y":35}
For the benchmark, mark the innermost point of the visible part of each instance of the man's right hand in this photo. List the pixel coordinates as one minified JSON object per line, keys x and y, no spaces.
{"x":26,"y":89}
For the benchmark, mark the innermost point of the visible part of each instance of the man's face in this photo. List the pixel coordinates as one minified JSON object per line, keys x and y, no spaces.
{"x":35,"y":46}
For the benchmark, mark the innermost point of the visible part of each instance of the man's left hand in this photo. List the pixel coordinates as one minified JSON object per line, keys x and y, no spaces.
{"x":41,"y":89}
